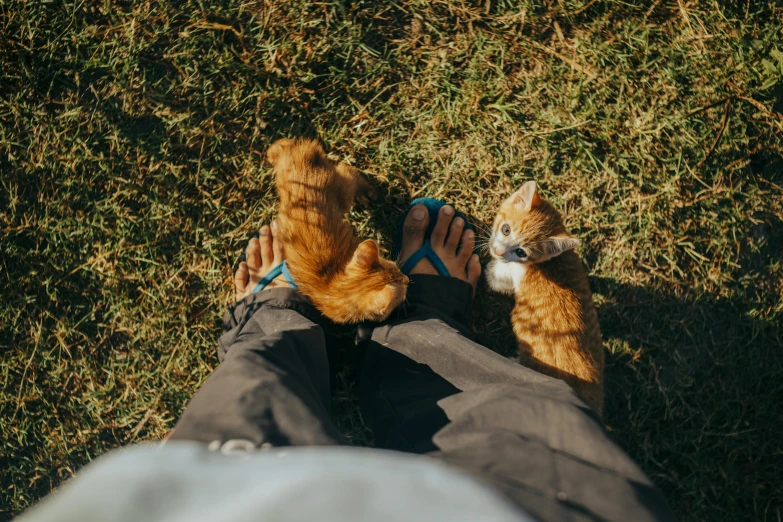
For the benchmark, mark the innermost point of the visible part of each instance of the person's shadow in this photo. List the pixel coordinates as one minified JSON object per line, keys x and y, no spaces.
{"x":693,"y":383}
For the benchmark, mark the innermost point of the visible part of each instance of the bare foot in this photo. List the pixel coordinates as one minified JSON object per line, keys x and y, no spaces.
{"x":263,"y":254}
{"x":453,"y":245}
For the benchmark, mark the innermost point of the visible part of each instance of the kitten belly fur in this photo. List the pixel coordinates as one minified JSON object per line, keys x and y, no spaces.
{"x":504,"y":276}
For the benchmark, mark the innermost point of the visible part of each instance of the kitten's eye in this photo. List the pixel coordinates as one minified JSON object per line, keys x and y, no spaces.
{"x":505,"y":229}
{"x":521,"y":254}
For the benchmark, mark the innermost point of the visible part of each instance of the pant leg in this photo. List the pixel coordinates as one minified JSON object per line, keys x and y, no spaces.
{"x":272,"y":385}
{"x":425,"y":386}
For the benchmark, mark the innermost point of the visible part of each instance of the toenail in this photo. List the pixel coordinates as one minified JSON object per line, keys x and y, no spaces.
{"x":264,"y":231}
{"x":448,"y":211}
{"x":418,"y":214}
{"x":458,"y":222}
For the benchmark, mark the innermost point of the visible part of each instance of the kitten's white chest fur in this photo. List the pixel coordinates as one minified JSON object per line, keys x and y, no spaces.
{"x":504,"y":276}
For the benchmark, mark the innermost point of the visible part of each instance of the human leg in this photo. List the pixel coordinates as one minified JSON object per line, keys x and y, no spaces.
{"x":272,"y":386}
{"x":427,"y":387}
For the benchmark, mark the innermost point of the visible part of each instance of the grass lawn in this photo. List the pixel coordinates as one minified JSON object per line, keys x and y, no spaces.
{"x":132,"y":140}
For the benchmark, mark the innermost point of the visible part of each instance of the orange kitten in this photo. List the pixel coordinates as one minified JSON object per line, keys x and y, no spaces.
{"x":344,"y":277}
{"x":554,"y":318}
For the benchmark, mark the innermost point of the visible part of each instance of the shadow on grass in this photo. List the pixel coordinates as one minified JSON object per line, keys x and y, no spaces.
{"x":691,"y":387}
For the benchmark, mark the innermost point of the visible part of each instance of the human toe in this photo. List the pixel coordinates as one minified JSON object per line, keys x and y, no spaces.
{"x":441,"y":229}
{"x":265,"y":241}
{"x":253,"y":255}
{"x":413,"y":230}
{"x":466,"y":245}
{"x":277,"y":244}
{"x":455,"y":235}
{"x":473,"y":270}
{"x":241,"y":277}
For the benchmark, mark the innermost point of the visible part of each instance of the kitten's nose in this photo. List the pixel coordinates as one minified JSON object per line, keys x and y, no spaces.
{"x":498,"y":251}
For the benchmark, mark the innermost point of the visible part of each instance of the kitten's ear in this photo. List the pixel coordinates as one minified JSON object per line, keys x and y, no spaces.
{"x":527,"y":197}
{"x":366,"y":255}
{"x":314,"y":153}
{"x":277,"y":149}
{"x":556,"y":245}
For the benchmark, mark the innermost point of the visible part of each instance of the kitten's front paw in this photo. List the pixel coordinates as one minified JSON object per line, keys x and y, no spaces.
{"x":500,"y":278}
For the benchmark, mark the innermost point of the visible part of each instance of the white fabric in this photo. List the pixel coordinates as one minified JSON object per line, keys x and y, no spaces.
{"x":187,"y":482}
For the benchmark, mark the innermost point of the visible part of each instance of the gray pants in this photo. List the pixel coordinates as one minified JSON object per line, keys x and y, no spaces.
{"x":424,"y":387}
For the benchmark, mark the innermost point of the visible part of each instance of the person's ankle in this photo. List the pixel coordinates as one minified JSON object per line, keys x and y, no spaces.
{"x":448,"y":298}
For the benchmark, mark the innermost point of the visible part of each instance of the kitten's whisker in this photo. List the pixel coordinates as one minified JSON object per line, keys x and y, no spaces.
{"x":483,"y":231}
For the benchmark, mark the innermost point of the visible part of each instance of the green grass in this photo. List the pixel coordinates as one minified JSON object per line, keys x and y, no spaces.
{"x":132,"y":138}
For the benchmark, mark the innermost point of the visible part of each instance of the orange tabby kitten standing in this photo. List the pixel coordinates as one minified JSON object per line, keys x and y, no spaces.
{"x":344,"y":277}
{"x":554,"y":318}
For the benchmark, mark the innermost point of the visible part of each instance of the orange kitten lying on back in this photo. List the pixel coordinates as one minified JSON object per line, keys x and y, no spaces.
{"x":344,"y":277}
{"x":554,"y":318}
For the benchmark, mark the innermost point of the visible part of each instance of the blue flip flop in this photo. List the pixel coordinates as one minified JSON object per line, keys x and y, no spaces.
{"x":282,"y":268}
{"x":433,"y":207}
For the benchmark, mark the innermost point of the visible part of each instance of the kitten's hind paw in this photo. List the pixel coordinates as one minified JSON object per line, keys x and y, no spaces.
{"x":365,"y":192}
